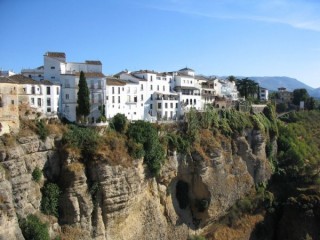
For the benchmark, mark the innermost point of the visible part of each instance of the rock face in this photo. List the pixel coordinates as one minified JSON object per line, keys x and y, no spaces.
{"x":21,"y":195}
{"x":105,"y":201}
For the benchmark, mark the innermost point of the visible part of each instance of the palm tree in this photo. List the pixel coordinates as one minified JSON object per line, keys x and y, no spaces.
{"x":247,"y":87}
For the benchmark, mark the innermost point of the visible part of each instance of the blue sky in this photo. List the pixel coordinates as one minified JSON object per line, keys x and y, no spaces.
{"x":218,"y":37}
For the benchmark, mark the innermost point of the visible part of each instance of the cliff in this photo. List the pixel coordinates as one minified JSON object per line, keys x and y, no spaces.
{"x":100,"y":200}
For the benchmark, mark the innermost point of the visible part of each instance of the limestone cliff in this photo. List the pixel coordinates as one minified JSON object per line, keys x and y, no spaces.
{"x":107,"y":201}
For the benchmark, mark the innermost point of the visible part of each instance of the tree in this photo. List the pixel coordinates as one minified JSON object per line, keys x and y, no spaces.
{"x":119,"y":123}
{"x":247,"y":87}
{"x":310,"y":103}
{"x":83,"y":108}
{"x":299,"y":95}
{"x":232,"y":78}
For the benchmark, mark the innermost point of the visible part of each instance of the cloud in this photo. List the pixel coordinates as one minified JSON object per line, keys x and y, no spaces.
{"x":299,"y":14}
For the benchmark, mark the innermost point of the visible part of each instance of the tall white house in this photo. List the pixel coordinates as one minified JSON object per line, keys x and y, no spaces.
{"x":66,"y":74}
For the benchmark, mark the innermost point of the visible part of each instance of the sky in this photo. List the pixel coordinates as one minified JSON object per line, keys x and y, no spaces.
{"x":213,"y":37}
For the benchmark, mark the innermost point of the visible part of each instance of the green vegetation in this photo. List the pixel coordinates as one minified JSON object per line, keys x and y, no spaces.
{"x":119,"y":123}
{"x":33,"y":229}
{"x":300,"y":94}
{"x":83,"y":108}
{"x":50,"y":199}
{"x":248,"y":88}
{"x":145,"y":133}
{"x":36,"y":174}
{"x":42,"y":129}
{"x":84,"y":139}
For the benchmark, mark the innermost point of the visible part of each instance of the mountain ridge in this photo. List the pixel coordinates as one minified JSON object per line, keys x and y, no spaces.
{"x":272,"y":83}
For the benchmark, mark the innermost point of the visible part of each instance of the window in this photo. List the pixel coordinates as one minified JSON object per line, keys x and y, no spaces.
{"x":151,"y":97}
{"x":39,"y":75}
{"x":164,"y":88}
{"x":194,"y":101}
{"x":176,"y":105}
{"x":158,"y":87}
{"x":48,"y":91}
{"x":67,"y":96}
{"x":119,"y":98}
{"x":32,"y":101}
{"x":112,"y":99}
{"x":118,"y":90}
{"x":141,"y":87}
{"x":112,"y":90}
{"x":49,"y":109}
{"x":66,"y":109}
{"x":67,"y":84}
{"x":30,"y":76}
{"x":151,"y":87}
{"x":39,"y":102}
{"x":12,"y":102}
{"x":150,"y":106}
{"x":33,"y":90}
{"x":53,"y":67}
{"x":135,"y":99}
{"x":48,"y":101}
{"x":151,"y":78}
{"x":141,"y":97}
{"x":171,"y":105}
{"x":166,"y":105}
{"x":159,"y":105}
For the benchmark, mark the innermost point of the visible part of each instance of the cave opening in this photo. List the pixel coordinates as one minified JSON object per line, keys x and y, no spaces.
{"x":182,"y":194}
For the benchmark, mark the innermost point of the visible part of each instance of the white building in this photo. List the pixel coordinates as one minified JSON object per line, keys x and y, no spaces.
{"x":264,"y":94}
{"x":42,"y":96}
{"x":124,"y":97}
{"x":7,"y":73}
{"x":96,"y":82}
{"x":58,"y":71}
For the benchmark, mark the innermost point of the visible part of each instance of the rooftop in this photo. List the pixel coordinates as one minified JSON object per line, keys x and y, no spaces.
{"x":111,"y":81}
{"x":93,"y":62}
{"x":56,"y":54}
{"x":186,"y":69}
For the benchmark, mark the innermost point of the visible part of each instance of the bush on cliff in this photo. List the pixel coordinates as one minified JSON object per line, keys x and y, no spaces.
{"x":50,"y":199}
{"x":145,"y":133}
{"x":33,"y":229}
{"x":119,"y":122}
{"x":36,"y":174}
{"x":85,"y":139}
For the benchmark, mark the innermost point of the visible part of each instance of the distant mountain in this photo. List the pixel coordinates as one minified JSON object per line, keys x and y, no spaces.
{"x":273,"y":83}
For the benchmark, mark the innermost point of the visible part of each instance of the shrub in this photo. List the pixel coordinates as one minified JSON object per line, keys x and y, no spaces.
{"x":145,"y":134}
{"x":42,"y":130}
{"x":135,"y":149}
{"x":33,"y":229}
{"x":85,"y":139}
{"x":119,"y":122}
{"x":36,"y":174}
{"x":50,"y":199}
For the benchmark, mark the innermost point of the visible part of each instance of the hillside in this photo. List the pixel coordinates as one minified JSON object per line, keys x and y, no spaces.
{"x":273,"y":83}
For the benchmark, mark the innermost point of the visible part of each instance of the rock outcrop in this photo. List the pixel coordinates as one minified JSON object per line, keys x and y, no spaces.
{"x":115,"y":202}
